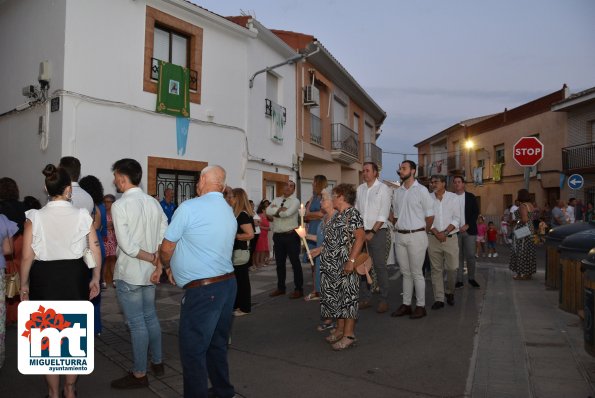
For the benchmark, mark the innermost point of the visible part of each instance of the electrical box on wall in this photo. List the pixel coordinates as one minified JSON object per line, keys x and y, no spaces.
{"x":55,"y":104}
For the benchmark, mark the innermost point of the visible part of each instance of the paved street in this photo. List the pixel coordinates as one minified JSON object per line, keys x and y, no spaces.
{"x":507,"y":339}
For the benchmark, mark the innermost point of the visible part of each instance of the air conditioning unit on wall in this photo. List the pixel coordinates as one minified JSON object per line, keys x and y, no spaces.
{"x":311,"y":96}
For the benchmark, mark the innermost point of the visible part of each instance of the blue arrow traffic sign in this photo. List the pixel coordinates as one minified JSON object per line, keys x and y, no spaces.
{"x":576,"y":181}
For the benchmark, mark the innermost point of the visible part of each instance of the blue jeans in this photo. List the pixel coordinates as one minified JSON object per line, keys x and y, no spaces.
{"x":138,"y":304}
{"x":205,"y":322}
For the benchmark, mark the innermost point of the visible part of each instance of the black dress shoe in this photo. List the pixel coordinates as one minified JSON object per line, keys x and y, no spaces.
{"x":459,"y":285}
{"x":474,"y":283}
{"x":158,"y":369}
{"x":402,"y":310}
{"x":437,"y":305}
{"x":450,"y":299}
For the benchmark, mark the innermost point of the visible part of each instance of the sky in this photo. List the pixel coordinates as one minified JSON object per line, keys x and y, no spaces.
{"x":432,"y":63}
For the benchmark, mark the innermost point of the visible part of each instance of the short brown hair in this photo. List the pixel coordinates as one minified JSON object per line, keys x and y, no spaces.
{"x":458,"y":176}
{"x":72,"y":166}
{"x":374,"y":166}
{"x":347,"y":191}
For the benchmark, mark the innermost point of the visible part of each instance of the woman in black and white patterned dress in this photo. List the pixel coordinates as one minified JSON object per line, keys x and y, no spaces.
{"x":523,"y":258}
{"x":339,"y":284}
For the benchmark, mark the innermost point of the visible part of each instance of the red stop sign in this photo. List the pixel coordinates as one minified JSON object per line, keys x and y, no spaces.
{"x":528,"y":151}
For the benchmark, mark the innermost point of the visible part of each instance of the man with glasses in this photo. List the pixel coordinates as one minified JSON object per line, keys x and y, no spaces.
{"x":284,"y":210}
{"x":443,"y":244}
{"x":413,"y":214}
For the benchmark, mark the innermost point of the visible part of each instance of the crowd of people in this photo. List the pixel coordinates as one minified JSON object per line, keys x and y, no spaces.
{"x":208,"y":245}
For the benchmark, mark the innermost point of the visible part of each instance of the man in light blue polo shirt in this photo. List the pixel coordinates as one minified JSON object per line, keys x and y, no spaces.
{"x":198,"y":245}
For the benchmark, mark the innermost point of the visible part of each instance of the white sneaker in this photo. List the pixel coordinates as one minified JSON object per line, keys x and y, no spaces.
{"x":489,"y":254}
{"x":495,"y":255}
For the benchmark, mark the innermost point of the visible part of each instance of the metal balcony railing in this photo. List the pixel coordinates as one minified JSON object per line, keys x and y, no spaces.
{"x":373,"y":153}
{"x":315,"y":130}
{"x":578,"y":157}
{"x":268,"y":109}
{"x":192,"y":85}
{"x":344,"y":143}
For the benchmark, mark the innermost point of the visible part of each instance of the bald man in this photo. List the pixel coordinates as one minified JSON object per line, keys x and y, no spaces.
{"x":198,"y":245}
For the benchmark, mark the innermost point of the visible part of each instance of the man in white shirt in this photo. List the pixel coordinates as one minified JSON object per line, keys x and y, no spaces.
{"x":443,"y":245}
{"x":414,"y":214}
{"x":80,"y":198}
{"x":140,"y":224}
{"x":284,"y":210}
{"x":373,"y":202}
{"x":570,"y":211}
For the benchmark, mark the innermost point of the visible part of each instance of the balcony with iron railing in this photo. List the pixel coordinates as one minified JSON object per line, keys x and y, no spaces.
{"x":579,"y":158}
{"x":268,"y":109}
{"x":315,"y":130}
{"x":192,"y":84}
{"x":373,"y":153}
{"x":344,"y":144}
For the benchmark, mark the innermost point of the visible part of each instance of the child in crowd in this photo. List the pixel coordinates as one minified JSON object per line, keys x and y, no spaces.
{"x":492,"y":235}
{"x":541,"y":230}
{"x":504,"y":233}
{"x":481,"y":236}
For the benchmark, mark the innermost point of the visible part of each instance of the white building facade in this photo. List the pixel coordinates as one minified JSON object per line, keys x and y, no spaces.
{"x":100,"y":105}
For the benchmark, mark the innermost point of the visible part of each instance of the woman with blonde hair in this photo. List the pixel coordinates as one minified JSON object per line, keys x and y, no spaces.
{"x":52,"y":267}
{"x":238,"y":201}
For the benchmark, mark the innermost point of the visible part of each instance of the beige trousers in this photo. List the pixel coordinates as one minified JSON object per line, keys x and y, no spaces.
{"x":443,"y":256}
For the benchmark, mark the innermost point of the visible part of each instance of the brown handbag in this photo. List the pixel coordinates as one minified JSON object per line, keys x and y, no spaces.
{"x":13,"y":284}
{"x":363,"y":261}
{"x":363,"y":264}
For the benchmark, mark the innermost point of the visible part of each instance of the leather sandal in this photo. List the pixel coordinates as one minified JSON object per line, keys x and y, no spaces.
{"x":333,"y":338}
{"x":344,"y":343}
{"x":325,"y":326}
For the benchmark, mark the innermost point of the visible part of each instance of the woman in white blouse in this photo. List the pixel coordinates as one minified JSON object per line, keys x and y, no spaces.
{"x":52,"y":267}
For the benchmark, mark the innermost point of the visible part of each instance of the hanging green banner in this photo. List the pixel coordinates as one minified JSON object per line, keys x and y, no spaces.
{"x":173,"y":96}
